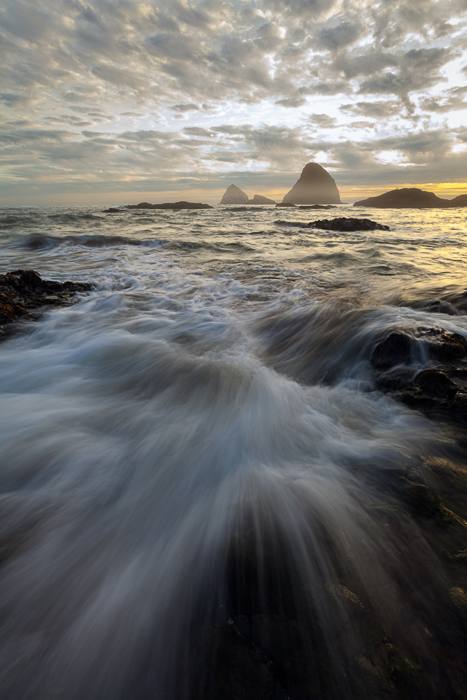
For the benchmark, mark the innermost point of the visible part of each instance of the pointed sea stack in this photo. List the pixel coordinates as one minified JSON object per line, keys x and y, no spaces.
{"x":234,"y":195}
{"x":315,"y":186}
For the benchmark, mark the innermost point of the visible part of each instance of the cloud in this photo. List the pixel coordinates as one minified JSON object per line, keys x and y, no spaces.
{"x":199,"y":85}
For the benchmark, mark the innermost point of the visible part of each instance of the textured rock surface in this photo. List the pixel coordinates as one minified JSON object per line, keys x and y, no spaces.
{"x":347,"y":224}
{"x":411,"y":197}
{"x":315,"y":186}
{"x":234,"y":195}
{"x":22,"y":292}
{"x":439,"y":390}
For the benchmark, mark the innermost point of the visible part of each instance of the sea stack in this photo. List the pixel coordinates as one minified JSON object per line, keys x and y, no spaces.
{"x":315,"y":186}
{"x":234,"y":195}
{"x":259,"y":199}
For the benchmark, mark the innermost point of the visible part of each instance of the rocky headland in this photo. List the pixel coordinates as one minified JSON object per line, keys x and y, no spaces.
{"x":411,"y":198}
{"x":314,"y":186}
{"x":24,"y":294}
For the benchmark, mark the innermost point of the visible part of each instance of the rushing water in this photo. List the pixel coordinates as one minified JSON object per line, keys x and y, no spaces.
{"x":197,"y":474}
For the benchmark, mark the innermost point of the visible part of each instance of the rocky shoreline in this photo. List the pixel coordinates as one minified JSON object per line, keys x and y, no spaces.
{"x":24,"y":295}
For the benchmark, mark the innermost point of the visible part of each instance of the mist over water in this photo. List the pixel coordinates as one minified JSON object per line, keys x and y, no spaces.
{"x":200,"y":483}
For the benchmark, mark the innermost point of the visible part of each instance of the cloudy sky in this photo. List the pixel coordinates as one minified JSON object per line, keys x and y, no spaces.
{"x":117,"y":100}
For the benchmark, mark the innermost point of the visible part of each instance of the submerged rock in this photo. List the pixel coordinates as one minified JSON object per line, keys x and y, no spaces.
{"x":170,"y":205}
{"x":314,"y":186}
{"x":112,"y":210}
{"x":285,"y":204}
{"x":24,"y":291}
{"x":411,"y":197}
{"x":347,"y":224}
{"x":234,"y":195}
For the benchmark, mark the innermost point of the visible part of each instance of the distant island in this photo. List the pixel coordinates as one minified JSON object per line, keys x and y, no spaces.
{"x":234,"y":195}
{"x":411,"y":198}
{"x":315,"y":186}
{"x":165,"y":205}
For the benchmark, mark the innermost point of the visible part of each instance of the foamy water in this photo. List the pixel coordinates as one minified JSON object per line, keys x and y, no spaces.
{"x":197,"y":471}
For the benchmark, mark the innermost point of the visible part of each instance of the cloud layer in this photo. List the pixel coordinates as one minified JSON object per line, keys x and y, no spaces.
{"x":121,"y":96}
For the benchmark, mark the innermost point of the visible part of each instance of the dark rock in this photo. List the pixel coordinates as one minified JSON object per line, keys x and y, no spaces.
{"x":460,"y":201}
{"x":434,"y":382}
{"x":411,"y":197}
{"x":112,"y":210}
{"x":347,"y":224}
{"x":393,"y":350}
{"x":285,"y":204}
{"x":317,"y":206}
{"x":23,"y":291}
{"x":259,"y":199}
{"x":314,"y":186}
{"x":170,"y":205}
{"x":234,"y":195}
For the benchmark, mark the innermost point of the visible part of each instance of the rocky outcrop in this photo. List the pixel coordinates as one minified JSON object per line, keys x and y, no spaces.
{"x":259,"y":199}
{"x":234,"y":195}
{"x":438,"y":390}
{"x":23,"y":292}
{"x":347,"y":224}
{"x":411,"y":198}
{"x":315,"y":186}
{"x":285,"y":204}
{"x":170,"y":205}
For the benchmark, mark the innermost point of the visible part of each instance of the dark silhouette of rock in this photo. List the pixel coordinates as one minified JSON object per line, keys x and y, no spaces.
{"x":170,"y":205}
{"x":285,"y":204}
{"x":23,"y":291}
{"x":347,"y":224}
{"x":234,"y":195}
{"x":315,"y":186}
{"x":460,"y":201}
{"x":259,"y":199}
{"x":411,"y":197}
{"x":317,"y":206}
{"x":112,"y":210}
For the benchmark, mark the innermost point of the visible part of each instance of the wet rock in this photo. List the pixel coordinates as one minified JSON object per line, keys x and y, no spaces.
{"x":434,"y":382}
{"x":22,"y":292}
{"x":112,"y":210}
{"x":347,"y":224}
{"x":393,"y":350}
{"x":285,"y":204}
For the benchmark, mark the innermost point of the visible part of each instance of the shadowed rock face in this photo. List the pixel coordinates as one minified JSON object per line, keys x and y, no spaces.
{"x":411,"y":197}
{"x":259,"y":199}
{"x":315,"y":186}
{"x":234,"y":195}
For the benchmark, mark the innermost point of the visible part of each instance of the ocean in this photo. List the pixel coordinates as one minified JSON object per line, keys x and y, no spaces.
{"x":204,"y":492}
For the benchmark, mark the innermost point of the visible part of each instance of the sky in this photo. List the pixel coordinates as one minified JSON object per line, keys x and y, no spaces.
{"x":116,"y":101}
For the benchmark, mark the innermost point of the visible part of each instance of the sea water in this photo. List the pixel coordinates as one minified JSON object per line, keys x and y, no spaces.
{"x":197,"y":471}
